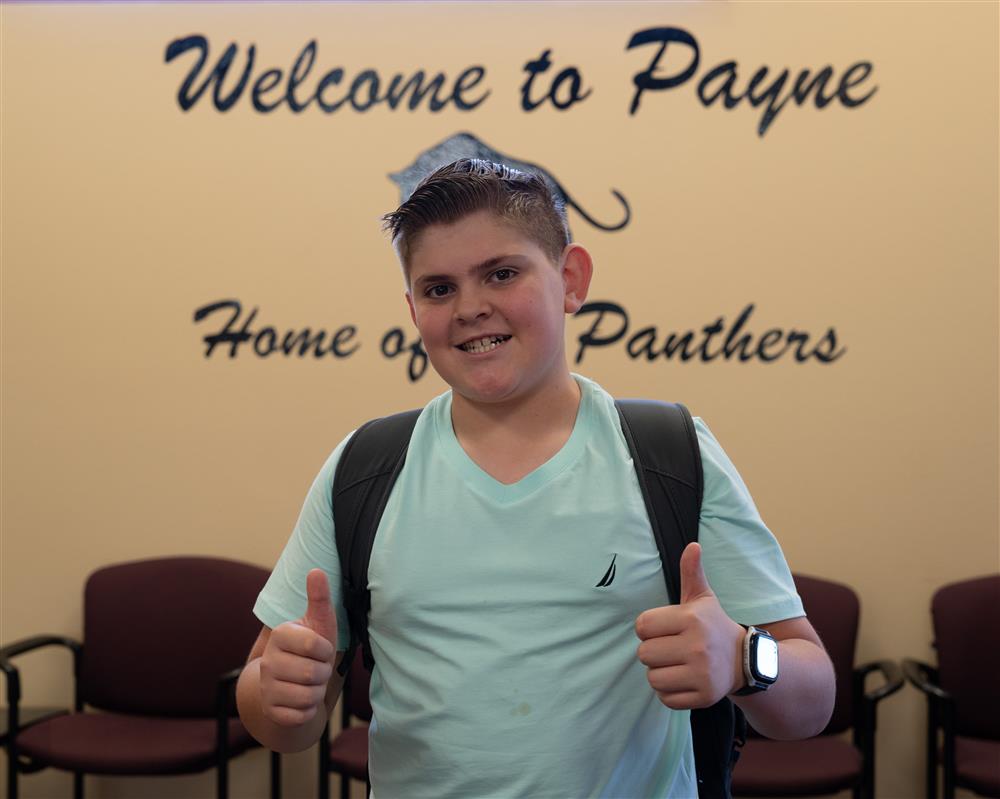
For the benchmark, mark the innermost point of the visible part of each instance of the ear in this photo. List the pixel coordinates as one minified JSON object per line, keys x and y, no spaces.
{"x":576,"y":270}
{"x":409,"y":302}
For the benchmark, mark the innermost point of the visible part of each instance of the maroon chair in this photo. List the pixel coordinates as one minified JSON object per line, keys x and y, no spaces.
{"x":347,"y":753}
{"x":164,"y":641}
{"x":827,"y":763}
{"x":963,"y":692}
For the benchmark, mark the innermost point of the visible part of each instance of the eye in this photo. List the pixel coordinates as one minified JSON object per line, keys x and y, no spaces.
{"x":437,"y":291}
{"x":503,"y":274}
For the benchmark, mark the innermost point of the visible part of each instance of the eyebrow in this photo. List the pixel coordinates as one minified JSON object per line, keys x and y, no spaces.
{"x":485,"y":266}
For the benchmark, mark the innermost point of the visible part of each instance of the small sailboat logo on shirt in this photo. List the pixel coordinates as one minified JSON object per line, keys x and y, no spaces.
{"x":609,"y":575}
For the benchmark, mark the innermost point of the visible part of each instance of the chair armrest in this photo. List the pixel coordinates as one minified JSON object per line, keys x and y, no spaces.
{"x":865,"y":707}
{"x":14,"y":683}
{"x":940,"y":723}
{"x":224,"y":692}
{"x":36,"y":642}
{"x":230,"y":677}
{"x":890,"y":671}
{"x":225,"y":695}
{"x":27,"y":645}
{"x":925,"y":677}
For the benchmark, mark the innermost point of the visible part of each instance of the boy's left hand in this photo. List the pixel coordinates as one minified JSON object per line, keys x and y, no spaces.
{"x":693,"y":651}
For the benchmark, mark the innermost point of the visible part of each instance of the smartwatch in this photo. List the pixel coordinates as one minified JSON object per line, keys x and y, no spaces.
{"x":760,"y":661}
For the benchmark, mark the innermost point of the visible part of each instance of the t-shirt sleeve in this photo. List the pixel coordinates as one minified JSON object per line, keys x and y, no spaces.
{"x":743,"y":561}
{"x":312,"y":545}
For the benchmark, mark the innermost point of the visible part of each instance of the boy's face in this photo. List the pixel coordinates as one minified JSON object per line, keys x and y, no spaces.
{"x":490,"y":306}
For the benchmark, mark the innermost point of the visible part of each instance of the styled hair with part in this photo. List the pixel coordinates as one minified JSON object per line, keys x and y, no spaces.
{"x":521,"y":199}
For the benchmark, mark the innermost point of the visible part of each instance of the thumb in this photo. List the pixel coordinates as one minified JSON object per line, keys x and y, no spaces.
{"x":694,"y":583}
{"x":320,"y":616}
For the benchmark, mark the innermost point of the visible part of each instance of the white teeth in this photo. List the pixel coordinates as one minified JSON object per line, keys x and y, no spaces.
{"x":484,"y":344}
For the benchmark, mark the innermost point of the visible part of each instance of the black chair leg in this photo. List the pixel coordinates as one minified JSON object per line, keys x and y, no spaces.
{"x":948,"y":791}
{"x":222,"y":780}
{"x":77,"y":785}
{"x":932,"y":748}
{"x":345,"y":787}
{"x":275,"y":775}
{"x":324,"y":763}
{"x":948,"y":752}
{"x":11,"y":772}
{"x":867,"y":787}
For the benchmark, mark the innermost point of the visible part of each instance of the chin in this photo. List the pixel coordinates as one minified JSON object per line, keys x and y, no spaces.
{"x":483,"y":396}
{"x":485,"y":391}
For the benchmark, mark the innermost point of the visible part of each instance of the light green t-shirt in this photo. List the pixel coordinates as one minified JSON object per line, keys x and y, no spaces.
{"x":502,"y":668}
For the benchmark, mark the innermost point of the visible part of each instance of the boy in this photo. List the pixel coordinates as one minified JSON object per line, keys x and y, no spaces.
{"x":501,"y":669}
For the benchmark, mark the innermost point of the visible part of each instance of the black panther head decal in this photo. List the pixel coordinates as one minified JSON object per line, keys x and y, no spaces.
{"x":465,"y":145}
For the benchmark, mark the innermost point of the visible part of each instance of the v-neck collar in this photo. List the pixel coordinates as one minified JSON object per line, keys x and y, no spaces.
{"x":478,"y":479}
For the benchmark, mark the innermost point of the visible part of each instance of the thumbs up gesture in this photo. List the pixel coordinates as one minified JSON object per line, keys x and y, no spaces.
{"x":298,"y":659}
{"x":693,"y":651}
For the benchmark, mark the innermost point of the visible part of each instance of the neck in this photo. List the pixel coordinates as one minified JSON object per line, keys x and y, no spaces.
{"x":534,"y":415}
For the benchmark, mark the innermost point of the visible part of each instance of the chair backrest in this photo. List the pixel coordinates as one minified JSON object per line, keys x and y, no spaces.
{"x":157,"y":634}
{"x":966,"y":617}
{"x":356,"y":701}
{"x":833,"y":609}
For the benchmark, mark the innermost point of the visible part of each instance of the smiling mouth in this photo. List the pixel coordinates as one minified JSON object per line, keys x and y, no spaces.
{"x":484,"y":344}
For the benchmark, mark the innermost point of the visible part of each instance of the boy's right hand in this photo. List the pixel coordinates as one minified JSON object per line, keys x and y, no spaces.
{"x":298,"y":659}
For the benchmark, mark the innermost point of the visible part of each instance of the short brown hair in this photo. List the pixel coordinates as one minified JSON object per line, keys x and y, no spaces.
{"x":463,"y":187}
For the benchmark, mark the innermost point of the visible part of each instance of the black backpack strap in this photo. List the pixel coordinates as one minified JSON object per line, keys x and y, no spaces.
{"x":667,"y":458}
{"x":664,"y":447}
{"x":367,"y":470}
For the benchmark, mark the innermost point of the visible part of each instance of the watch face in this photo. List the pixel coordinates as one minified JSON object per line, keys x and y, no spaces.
{"x":766,"y":658}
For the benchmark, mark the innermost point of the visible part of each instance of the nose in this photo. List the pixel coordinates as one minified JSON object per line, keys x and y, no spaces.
{"x":471,"y":306}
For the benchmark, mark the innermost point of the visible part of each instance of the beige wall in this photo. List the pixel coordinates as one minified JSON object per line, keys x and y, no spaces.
{"x":121,"y":215}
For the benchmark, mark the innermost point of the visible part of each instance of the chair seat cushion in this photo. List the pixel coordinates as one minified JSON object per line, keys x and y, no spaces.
{"x":112,"y":743}
{"x":349,"y":752}
{"x":813,"y":767}
{"x":977,"y":765}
